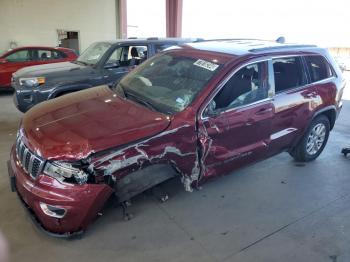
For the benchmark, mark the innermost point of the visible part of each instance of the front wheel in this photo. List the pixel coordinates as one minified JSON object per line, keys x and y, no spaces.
{"x":314,"y":140}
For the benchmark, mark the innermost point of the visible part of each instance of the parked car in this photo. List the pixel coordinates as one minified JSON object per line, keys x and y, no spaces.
{"x":18,"y":58}
{"x":197,"y":111}
{"x":343,"y":62}
{"x":101,"y":63}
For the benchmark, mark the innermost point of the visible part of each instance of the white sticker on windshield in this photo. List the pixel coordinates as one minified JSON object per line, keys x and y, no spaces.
{"x":205,"y":64}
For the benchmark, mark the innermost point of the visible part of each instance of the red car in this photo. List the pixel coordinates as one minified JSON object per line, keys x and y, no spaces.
{"x":18,"y":58}
{"x":195,"y":112}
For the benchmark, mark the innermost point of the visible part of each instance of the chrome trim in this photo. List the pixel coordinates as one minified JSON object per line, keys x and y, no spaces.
{"x":282,"y":133}
{"x":304,"y":86}
{"x":31,"y":160}
{"x":226,"y":79}
{"x":244,"y":106}
{"x":271,"y":79}
{"x":47,"y":209}
{"x":21,"y":157}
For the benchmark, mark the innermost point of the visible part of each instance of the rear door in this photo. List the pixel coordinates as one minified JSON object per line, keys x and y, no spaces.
{"x":235,"y":127}
{"x":294,"y":102}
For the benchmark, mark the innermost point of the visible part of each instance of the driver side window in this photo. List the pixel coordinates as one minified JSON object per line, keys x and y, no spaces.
{"x":246,"y":86}
{"x":19,"y":56}
{"x":128,"y":56}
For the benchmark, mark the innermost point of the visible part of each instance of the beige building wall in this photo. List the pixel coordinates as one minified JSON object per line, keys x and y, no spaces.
{"x":35,"y":22}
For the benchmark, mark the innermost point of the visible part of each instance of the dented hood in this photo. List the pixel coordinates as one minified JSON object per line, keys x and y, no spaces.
{"x":72,"y":127}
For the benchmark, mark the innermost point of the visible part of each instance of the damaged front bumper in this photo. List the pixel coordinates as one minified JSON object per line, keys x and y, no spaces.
{"x":80,"y":202}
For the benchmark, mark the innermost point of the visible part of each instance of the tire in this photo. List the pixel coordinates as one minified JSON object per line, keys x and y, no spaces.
{"x":313,"y":141}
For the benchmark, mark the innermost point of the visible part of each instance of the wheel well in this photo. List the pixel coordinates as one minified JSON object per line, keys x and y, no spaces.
{"x":143,"y":179}
{"x":331,"y":115}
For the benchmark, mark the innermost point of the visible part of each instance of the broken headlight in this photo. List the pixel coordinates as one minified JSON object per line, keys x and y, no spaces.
{"x":65,"y":172}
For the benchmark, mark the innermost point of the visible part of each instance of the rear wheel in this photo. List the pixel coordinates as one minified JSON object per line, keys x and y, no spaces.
{"x":314,"y":140}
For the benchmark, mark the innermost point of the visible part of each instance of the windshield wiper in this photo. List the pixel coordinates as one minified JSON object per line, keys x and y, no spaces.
{"x":120,"y":87}
{"x":140,"y":101}
{"x":81,"y":62}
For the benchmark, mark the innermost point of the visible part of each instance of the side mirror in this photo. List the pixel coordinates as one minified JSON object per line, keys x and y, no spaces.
{"x":111,"y":65}
{"x":211,"y":111}
{"x":3,"y":61}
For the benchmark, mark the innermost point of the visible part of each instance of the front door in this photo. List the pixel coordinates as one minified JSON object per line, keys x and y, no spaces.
{"x":235,"y":127}
{"x":15,"y":61}
{"x":123,"y":60}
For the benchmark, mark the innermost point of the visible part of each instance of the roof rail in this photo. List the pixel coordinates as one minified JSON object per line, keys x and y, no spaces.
{"x":152,"y":38}
{"x":230,"y":39}
{"x":286,"y":46}
{"x":133,"y":37}
{"x":281,"y":40}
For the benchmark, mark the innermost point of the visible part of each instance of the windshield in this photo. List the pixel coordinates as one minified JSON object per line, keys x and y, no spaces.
{"x":168,"y":82}
{"x":93,"y":53}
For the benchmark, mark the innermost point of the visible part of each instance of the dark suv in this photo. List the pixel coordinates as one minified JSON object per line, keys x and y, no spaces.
{"x":102,"y":63}
{"x":197,"y":111}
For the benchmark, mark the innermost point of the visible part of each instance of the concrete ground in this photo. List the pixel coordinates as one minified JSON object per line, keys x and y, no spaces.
{"x":276,"y":210}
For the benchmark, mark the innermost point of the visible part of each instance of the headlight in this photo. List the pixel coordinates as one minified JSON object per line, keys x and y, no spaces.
{"x":31,"y":81}
{"x":65,"y":171}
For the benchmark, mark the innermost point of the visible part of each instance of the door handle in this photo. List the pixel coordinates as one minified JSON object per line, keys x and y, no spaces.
{"x":263,"y":111}
{"x":311,"y":95}
{"x":249,"y":122}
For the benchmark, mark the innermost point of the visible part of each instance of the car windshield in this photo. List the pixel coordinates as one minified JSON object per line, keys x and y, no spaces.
{"x":168,"y":82}
{"x":93,"y":53}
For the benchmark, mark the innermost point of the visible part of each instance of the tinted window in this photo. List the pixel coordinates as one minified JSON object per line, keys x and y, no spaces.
{"x":19,"y":56}
{"x":44,"y":54}
{"x":288,"y":73}
{"x":318,"y":67}
{"x":245,"y":87}
{"x":58,"y":54}
{"x":128,"y":56}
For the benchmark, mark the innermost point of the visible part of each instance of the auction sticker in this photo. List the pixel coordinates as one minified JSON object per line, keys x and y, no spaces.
{"x":205,"y":64}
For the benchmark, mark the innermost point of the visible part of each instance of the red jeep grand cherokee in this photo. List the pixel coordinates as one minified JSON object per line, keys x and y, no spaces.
{"x":197,"y":111}
{"x":18,"y":58}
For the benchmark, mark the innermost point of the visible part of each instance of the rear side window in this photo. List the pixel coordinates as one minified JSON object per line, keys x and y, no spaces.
{"x":288,"y":73}
{"x":318,"y":67}
{"x":44,"y":54}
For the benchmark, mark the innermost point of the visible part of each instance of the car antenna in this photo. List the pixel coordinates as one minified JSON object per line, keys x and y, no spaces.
{"x":281,"y":40}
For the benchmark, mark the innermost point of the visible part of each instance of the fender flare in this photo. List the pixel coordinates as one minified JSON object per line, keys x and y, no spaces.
{"x":332,"y":111}
{"x":321,"y":111}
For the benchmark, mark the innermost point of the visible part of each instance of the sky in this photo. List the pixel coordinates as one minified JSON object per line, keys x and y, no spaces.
{"x":325,"y":23}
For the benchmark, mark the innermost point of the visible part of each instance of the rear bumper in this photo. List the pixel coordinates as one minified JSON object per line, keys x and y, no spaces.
{"x":82,"y":202}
